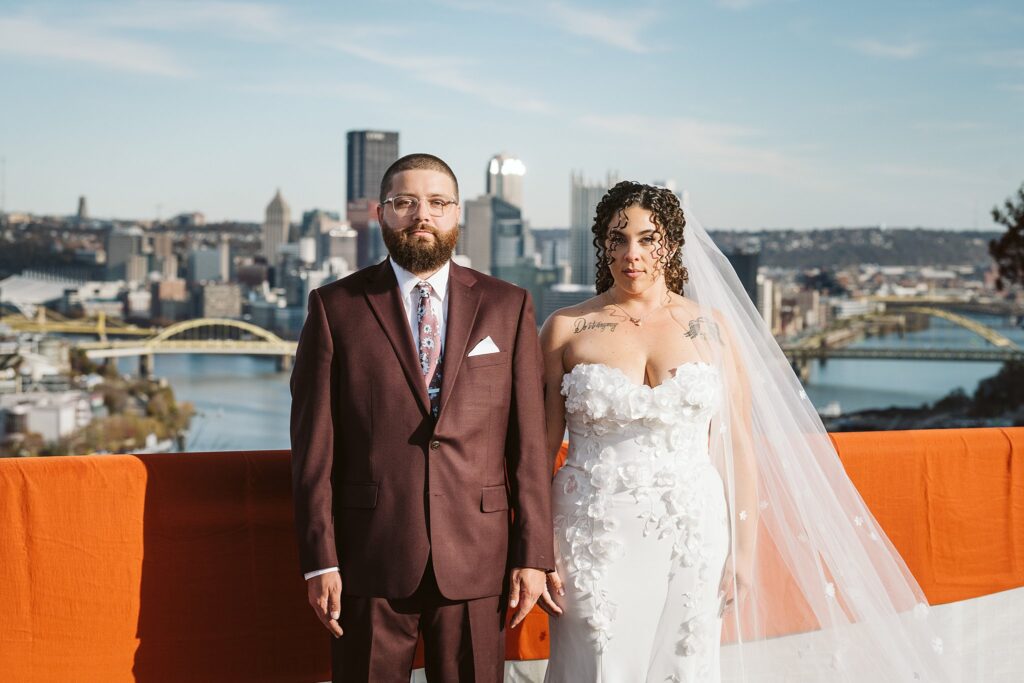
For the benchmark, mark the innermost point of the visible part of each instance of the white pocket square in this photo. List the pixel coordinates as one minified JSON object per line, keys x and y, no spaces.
{"x":483,"y":347}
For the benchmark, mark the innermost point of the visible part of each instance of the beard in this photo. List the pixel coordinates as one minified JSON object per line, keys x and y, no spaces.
{"x":420,"y":254}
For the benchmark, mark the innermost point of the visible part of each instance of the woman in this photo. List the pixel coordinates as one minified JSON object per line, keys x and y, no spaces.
{"x":689,"y":441}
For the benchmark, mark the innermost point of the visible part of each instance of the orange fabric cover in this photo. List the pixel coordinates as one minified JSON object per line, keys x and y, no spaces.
{"x":183,"y":567}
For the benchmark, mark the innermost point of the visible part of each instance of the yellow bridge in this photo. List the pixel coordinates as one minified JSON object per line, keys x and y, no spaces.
{"x":203,"y":335}
{"x":46,"y":321}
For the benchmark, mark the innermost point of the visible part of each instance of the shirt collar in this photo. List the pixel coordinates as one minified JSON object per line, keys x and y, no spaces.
{"x":407,"y":281}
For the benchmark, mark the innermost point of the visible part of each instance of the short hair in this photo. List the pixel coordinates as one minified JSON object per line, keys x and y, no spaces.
{"x":411,"y":162}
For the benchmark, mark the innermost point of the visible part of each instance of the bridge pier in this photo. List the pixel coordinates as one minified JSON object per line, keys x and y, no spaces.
{"x":146,"y":365}
{"x":284,"y":363}
{"x":802,"y":368}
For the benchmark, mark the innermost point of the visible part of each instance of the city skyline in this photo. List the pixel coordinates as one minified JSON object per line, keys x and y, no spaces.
{"x":770,"y":113}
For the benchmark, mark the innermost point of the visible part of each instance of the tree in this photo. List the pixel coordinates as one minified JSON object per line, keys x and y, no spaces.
{"x":1008,"y":250}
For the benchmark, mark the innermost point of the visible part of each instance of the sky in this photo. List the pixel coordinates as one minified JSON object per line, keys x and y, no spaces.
{"x":770,"y":113}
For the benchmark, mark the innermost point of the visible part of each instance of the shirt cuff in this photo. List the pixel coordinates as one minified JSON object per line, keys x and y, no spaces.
{"x":318,"y":572}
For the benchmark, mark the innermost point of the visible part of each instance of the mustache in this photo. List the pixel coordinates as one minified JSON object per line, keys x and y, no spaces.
{"x":424,"y":227}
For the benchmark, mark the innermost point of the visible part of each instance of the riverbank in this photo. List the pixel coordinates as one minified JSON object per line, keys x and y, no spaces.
{"x":998,"y":401}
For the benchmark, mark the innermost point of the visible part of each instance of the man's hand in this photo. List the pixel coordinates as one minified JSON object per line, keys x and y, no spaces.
{"x":525,"y":587}
{"x":324,"y":593}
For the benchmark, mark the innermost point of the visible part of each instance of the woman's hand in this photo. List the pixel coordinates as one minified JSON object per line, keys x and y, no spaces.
{"x":734,"y":585}
{"x":548,"y":600}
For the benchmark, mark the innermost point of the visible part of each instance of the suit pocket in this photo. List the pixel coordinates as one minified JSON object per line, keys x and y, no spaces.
{"x":493,"y":498}
{"x":356,"y":495}
{"x":496,"y":358}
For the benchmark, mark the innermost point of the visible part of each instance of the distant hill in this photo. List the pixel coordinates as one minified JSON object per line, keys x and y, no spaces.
{"x":834,"y":247}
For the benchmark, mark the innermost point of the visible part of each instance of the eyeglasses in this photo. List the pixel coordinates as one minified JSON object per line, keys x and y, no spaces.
{"x":404,"y":205}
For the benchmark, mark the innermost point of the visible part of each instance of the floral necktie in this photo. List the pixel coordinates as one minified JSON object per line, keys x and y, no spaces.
{"x":429,"y":345}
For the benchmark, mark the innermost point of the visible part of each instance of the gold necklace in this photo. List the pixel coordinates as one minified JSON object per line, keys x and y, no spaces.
{"x":639,"y":320}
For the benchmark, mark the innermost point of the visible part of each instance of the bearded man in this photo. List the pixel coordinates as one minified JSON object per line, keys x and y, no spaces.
{"x":419,"y":473}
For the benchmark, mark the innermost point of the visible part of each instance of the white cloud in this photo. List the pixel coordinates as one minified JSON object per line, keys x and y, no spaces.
{"x":1005,"y":59}
{"x":31,"y":38}
{"x":720,"y":146}
{"x":245,"y":18}
{"x":359,"y":92}
{"x":736,"y":4}
{"x":443,"y":72}
{"x":878,"y":48}
{"x":947,"y":126}
{"x":622,"y":31}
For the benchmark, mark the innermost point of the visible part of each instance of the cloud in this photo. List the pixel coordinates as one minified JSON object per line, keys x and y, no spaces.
{"x":1004,"y":59}
{"x":947,"y":126}
{"x":737,"y":4}
{"x":31,"y":38}
{"x":877,"y":48}
{"x":721,"y":146}
{"x":1011,"y":87}
{"x":359,"y":92}
{"x":621,"y":31}
{"x":443,"y":72}
{"x":902,"y":170}
{"x":242,"y":18}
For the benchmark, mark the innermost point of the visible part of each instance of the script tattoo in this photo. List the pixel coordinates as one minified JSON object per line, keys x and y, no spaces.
{"x":583,"y":325}
{"x":702,"y":327}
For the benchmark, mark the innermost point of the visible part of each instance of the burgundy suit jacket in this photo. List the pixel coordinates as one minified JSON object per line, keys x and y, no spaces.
{"x":378,"y":486}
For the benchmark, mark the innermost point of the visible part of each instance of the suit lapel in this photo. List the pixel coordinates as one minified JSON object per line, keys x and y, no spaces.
{"x":463,"y":301}
{"x":386,"y":301}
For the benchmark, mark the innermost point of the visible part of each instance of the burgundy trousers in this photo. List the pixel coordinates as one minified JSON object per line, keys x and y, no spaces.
{"x":464,"y":640}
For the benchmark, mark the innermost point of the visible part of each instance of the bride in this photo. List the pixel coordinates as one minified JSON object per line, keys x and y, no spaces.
{"x":701,"y":501}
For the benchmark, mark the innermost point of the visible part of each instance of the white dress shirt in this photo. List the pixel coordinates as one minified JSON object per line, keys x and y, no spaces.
{"x":439,"y":302}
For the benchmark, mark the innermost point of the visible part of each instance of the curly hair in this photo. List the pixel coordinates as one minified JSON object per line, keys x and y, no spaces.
{"x":666,"y":214}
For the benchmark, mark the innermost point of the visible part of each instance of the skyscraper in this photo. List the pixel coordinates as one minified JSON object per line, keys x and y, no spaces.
{"x":585,"y":196}
{"x":369,"y":154}
{"x":505,"y":179}
{"x":494,"y":235}
{"x":275,"y":227}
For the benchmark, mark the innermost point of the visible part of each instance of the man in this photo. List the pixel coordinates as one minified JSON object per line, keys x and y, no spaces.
{"x":418,"y":451}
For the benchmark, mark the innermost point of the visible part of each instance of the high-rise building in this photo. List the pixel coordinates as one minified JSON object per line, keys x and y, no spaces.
{"x":369,"y":154}
{"x":218,"y":300}
{"x":505,"y":179}
{"x":494,"y":234}
{"x":362,"y":217}
{"x":585,"y":196}
{"x":122,"y":243}
{"x":204,"y":265}
{"x":275,"y":227}
{"x":83,"y":211}
{"x":746,"y":264}
{"x":224,"y":253}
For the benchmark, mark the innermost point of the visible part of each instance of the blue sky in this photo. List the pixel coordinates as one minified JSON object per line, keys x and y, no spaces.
{"x":771,"y":113}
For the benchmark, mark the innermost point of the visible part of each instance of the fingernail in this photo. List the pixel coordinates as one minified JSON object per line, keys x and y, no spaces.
{"x":513,"y":603}
{"x":561,"y":591}
{"x":335,"y":615}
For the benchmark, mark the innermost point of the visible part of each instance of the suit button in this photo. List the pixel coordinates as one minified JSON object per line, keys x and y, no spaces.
{"x":434,"y":445}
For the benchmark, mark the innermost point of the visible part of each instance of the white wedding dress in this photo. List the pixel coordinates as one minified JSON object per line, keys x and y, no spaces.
{"x":641,"y":529}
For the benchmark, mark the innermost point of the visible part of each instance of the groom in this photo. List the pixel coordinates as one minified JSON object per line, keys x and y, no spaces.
{"x":419,"y":470}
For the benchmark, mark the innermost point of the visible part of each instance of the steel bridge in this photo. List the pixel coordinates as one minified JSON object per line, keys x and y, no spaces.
{"x":45,"y":321}
{"x":199,"y":336}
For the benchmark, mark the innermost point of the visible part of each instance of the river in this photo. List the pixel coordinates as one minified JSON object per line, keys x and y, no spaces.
{"x":242,"y":402}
